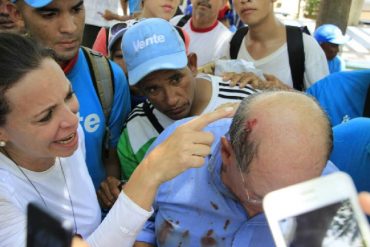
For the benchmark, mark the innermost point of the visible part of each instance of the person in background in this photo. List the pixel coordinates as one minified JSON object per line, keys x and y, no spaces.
{"x":330,"y":37}
{"x":266,"y":45}
{"x":165,"y":9}
{"x":206,"y":33}
{"x":8,"y":24}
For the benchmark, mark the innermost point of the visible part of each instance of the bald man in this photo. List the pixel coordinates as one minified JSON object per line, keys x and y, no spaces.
{"x":276,"y":139}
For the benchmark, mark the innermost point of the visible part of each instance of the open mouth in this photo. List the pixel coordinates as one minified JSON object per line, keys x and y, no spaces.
{"x":67,"y":140}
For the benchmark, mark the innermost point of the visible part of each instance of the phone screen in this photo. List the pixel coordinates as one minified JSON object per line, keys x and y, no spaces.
{"x":45,"y":230}
{"x":332,"y":225}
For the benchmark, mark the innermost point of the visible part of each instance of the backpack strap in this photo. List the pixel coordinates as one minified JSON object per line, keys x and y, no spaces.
{"x":296,"y":55}
{"x":153,"y":120}
{"x":236,"y":41}
{"x":102,"y":78}
{"x":183,"y":20}
{"x":367,"y":104}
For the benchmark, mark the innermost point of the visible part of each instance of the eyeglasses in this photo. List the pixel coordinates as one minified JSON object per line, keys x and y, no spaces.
{"x":113,"y":30}
{"x":249,"y":198}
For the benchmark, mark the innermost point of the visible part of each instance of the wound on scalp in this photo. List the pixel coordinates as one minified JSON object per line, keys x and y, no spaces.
{"x":249,"y":125}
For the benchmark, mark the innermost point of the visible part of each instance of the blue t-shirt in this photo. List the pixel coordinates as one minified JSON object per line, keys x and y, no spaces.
{"x":92,"y":117}
{"x":196,"y":208}
{"x":342,"y":95}
{"x":336,"y":64}
{"x":351,"y":151}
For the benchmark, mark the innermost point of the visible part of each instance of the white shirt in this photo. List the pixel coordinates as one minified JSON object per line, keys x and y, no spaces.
{"x":119,"y":228}
{"x":277,"y":63}
{"x":94,"y":9}
{"x":207,"y":45}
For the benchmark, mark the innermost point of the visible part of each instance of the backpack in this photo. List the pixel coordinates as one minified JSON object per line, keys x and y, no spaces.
{"x":183,"y":20}
{"x":102,"y":77}
{"x":367,"y":104}
{"x":295,"y":51}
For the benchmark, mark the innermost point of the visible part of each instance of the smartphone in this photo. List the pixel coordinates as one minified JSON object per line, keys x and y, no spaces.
{"x":320,"y":212}
{"x":45,"y":229}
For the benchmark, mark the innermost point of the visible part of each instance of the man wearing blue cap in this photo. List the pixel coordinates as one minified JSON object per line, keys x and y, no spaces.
{"x":158,"y":65}
{"x":330,"y":37}
{"x":59,"y":24}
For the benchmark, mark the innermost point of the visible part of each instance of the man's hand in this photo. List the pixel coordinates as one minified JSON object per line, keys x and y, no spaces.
{"x":242,"y":79}
{"x":249,"y":78}
{"x":108,"y":192}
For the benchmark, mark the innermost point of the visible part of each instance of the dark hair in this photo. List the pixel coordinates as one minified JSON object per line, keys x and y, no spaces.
{"x":19,"y":55}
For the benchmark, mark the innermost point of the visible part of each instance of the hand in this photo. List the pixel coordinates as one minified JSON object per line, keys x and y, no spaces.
{"x":78,"y":242}
{"x":208,"y":68}
{"x":364,"y":198}
{"x":242,"y":79}
{"x":109,"y":15}
{"x":186,"y":148}
{"x":108,"y":192}
{"x":272,"y":82}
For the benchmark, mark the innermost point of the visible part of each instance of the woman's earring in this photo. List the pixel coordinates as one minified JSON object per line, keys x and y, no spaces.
{"x":2,"y":143}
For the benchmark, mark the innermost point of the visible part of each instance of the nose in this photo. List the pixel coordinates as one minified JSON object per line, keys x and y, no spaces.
{"x":171,"y":97}
{"x":70,"y":117}
{"x":67,"y":24}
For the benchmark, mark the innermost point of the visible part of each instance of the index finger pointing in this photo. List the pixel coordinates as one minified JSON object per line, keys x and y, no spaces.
{"x":202,"y":121}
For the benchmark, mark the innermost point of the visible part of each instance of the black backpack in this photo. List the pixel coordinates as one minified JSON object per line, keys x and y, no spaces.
{"x":295,"y":51}
{"x":183,"y":20}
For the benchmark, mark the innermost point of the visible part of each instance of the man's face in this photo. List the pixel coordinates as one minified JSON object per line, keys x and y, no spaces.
{"x":207,"y":9}
{"x":170,"y":91}
{"x":253,"y":12}
{"x":58,"y":26}
{"x":6,"y":23}
{"x":331,"y":50}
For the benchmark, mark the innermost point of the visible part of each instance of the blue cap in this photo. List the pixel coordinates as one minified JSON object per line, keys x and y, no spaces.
{"x":331,"y":34}
{"x":152,"y":44}
{"x":36,"y":3}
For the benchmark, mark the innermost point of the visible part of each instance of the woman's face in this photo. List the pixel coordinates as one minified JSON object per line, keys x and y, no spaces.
{"x":42,"y":122}
{"x":164,"y":9}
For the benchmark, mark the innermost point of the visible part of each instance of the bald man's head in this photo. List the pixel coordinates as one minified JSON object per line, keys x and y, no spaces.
{"x":282,"y":133}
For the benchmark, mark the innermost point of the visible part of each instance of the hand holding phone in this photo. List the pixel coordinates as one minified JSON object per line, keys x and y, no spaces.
{"x":321,"y":212}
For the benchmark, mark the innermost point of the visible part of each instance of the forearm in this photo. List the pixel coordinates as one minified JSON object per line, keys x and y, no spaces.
{"x":142,"y":185}
{"x":122,"y":224}
{"x":142,"y":244}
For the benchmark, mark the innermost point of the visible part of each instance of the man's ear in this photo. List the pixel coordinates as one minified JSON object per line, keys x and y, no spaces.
{"x":192,"y":63}
{"x":227,"y":153}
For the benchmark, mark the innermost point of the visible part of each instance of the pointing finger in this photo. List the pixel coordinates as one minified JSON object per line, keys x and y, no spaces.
{"x":202,"y":121}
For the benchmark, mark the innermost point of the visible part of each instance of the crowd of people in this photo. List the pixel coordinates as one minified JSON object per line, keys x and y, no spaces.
{"x":120,"y":127}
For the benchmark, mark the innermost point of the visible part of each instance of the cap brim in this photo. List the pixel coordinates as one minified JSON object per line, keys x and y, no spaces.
{"x":340,"y":41}
{"x":174,"y":61}
{"x":38,"y":3}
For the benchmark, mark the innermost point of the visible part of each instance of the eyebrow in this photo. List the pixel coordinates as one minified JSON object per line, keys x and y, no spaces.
{"x":48,"y":9}
{"x":53,"y":106}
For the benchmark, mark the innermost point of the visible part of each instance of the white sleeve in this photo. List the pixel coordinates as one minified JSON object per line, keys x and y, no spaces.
{"x":122,"y":224}
{"x":316,"y":65}
{"x":12,"y":218}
